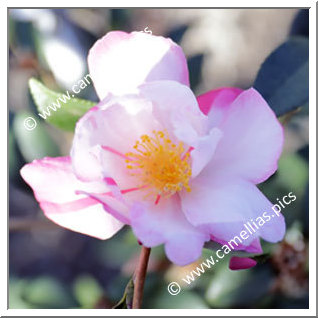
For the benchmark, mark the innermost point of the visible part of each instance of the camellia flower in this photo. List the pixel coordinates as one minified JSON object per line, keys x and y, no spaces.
{"x":180,"y":170}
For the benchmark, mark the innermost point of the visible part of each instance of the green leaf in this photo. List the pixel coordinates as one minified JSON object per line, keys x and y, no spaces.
{"x":283,"y":78}
{"x":127,"y":299}
{"x":293,"y":173}
{"x":184,"y":300}
{"x":68,"y":110}
{"x":230,"y":289}
{"x":87,"y":291}
{"x":36,"y":143}
{"x":47,"y":293}
{"x":16,"y":287}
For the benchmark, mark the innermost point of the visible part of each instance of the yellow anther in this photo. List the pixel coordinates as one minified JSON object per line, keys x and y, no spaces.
{"x":160,"y":165}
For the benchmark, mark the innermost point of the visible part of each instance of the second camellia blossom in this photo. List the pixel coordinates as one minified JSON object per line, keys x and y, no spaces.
{"x":179,"y":170}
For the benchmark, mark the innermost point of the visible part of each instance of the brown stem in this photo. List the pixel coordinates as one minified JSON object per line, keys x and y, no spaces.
{"x":139,"y":277}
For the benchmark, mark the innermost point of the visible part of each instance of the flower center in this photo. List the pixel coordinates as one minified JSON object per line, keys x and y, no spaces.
{"x":159,"y":164}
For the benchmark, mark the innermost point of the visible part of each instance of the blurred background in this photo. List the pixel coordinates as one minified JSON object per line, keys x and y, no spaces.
{"x":55,"y":268}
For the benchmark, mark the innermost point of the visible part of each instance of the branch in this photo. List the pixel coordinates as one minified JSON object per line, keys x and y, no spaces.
{"x":140,"y":275}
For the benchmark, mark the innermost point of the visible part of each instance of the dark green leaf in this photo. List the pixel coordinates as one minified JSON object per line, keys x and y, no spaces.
{"x":195,"y":69}
{"x":177,"y":33}
{"x":300,"y":24}
{"x":283,"y":78}
{"x":261,"y":258}
{"x":68,"y":110}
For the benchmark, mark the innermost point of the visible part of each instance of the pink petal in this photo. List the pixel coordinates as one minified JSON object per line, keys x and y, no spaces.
{"x":164,"y":223}
{"x":176,"y":108}
{"x":255,"y":246}
{"x":218,"y":100}
{"x":119,"y":62}
{"x":222,"y":205}
{"x":203,"y":150}
{"x":252,"y":138}
{"x":55,"y":187}
{"x":237,"y":263}
{"x":103,"y":137}
{"x":105,"y":134}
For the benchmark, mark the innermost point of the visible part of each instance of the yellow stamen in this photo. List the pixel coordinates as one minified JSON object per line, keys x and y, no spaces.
{"x":160,"y":165}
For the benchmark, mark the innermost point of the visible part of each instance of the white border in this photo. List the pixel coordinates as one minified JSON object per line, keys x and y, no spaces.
{"x":312,"y":163}
{"x":312,"y":159}
{"x":164,"y":3}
